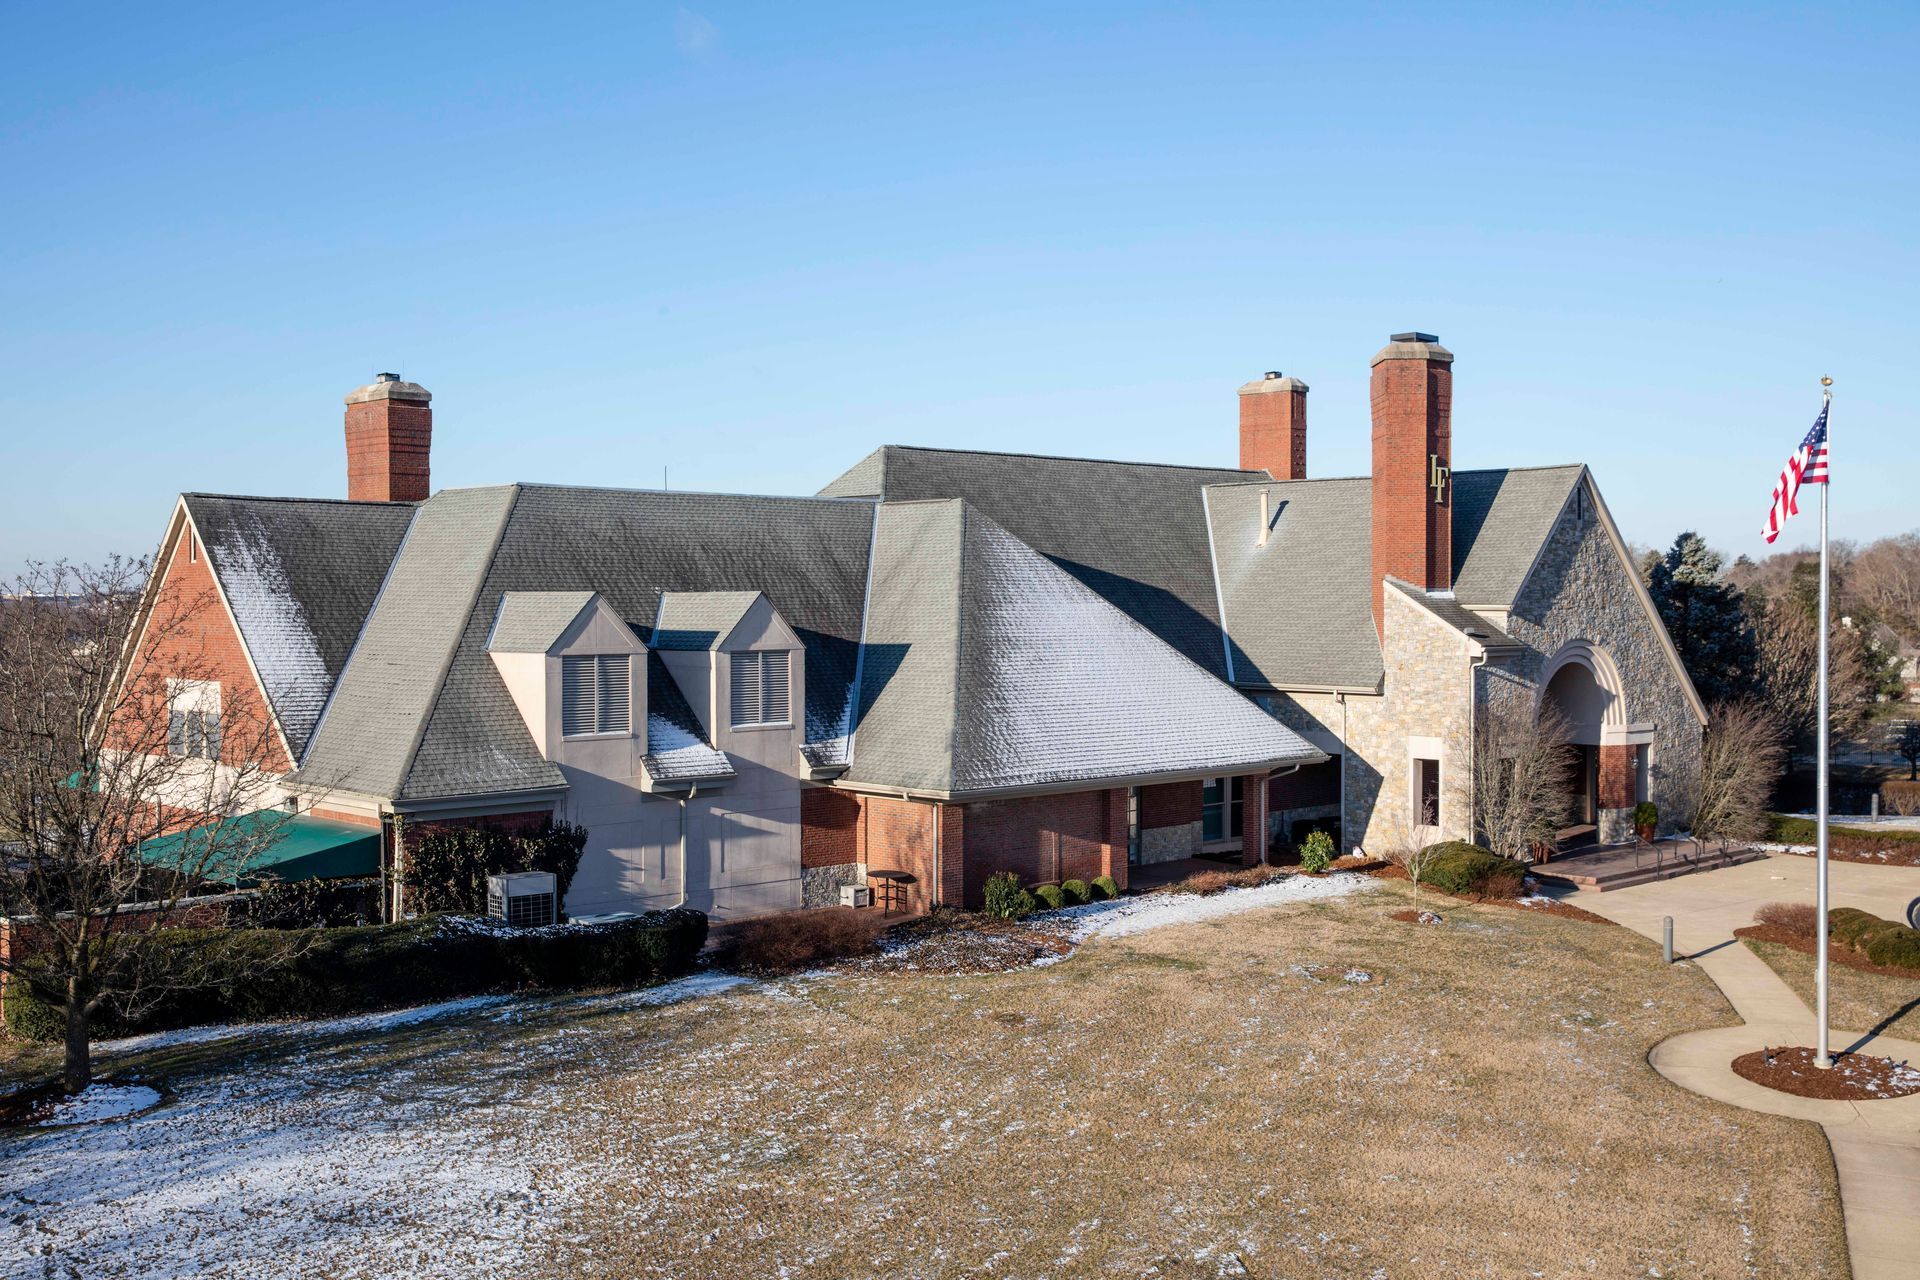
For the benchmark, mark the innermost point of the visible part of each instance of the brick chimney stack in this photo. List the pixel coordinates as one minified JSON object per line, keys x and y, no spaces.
{"x":1412,"y":466}
{"x":389,"y":434}
{"x":1273,"y":427}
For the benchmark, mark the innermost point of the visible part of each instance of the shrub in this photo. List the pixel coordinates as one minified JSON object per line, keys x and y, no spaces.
{"x":1900,"y":796}
{"x":1782,"y":829}
{"x":445,"y":868}
{"x":1204,"y":882}
{"x":1317,"y":854}
{"x":1005,"y":898}
{"x":1050,"y":896}
{"x":1797,"y":918}
{"x":1849,"y":925}
{"x":1468,"y":871}
{"x":801,"y":939}
{"x":250,"y":974}
{"x":1104,"y":887}
{"x":1896,"y":946}
{"x":308,"y":904}
{"x":1646,"y":814}
{"x":1075,"y":892}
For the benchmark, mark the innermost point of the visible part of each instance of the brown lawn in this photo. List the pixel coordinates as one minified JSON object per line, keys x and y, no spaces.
{"x":1857,"y":1001}
{"x":1211,"y":1099}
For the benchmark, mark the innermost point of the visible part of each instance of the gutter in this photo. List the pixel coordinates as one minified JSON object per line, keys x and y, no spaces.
{"x":1085,"y":784}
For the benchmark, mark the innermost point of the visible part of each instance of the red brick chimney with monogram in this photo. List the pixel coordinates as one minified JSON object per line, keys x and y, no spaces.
{"x":1412,"y":466}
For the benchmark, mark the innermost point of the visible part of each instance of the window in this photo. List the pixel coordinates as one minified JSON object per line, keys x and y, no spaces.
{"x":1220,"y":809}
{"x":595,"y":694}
{"x":761,"y":684}
{"x":193,"y":718}
{"x":1426,"y":792}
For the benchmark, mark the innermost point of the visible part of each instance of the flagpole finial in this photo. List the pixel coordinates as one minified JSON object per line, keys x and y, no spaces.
{"x":1826,"y":382}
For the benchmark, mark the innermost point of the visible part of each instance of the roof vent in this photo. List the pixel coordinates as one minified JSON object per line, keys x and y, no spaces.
{"x":1476,"y":633}
{"x":1272,"y":375}
{"x":1414,"y":336}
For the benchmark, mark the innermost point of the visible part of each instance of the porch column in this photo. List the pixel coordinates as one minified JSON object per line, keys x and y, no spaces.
{"x":1618,"y":770}
{"x":1253,"y":820}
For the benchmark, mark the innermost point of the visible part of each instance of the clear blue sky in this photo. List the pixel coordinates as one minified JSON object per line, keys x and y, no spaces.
{"x":750,"y":243}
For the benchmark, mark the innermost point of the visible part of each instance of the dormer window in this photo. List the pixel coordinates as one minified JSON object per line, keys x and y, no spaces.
{"x":762,"y":681}
{"x":595,"y":694}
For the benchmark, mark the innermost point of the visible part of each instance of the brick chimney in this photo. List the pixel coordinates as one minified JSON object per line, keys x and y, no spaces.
{"x":389,"y":433}
{"x":1273,"y":426}
{"x":1412,"y":466}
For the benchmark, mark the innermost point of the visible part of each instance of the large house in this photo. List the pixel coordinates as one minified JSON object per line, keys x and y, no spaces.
{"x":948,"y":663}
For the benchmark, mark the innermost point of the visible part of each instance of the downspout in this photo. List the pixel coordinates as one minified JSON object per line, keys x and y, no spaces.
{"x":1474,"y":663}
{"x":692,"y":791}
{"x":1346,"y":749}
{"x":933,"y":891}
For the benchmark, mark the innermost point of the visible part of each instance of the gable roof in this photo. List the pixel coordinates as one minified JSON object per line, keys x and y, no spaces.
{"x":1501,"y":520}
{"x":534,"y":621}
{"x":699,"y":619}
{"x":989,"y":669}
{"x":300,"y":576}
{"x":1133,"y":532}
{"x":1471,"y":626}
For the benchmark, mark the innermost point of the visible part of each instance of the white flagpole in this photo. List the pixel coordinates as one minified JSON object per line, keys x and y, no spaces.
{"x":1824,"y":1057}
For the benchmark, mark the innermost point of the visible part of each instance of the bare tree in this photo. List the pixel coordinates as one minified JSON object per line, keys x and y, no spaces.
{"x":1410,"y":855}
{"x":1740,"y":761}
{"x":114,"y":732}
{"x":1522,"y":772}
{"x":1886,"y":579}
{"x":1789,"y":673}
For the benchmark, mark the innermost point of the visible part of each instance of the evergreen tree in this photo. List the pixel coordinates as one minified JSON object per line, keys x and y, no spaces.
{"x":1706,"y":618}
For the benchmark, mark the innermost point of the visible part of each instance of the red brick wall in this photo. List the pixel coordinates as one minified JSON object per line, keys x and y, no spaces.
{"x":1044,"y":839}
{"x":1308,"y":787}
{"x":1273,"y":431}
{"x":831,"y":827}
{"x":388,"y":442}
{"x":1171,"y":804}
{"x":1412,"y":420}
{"x":1618,"y":767}
{"x":1254,"y":807}
{"x":189,"y":635}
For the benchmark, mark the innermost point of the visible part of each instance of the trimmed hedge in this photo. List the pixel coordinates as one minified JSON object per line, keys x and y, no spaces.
{"x":1050,"y":896}
{"x":1467,"y":870}
{"x":249,"y":977}
{"x":1104,"y":887}
{"x":1881,"y":941}
{"x":1075,"y":892}
{"x":1782,"y":829}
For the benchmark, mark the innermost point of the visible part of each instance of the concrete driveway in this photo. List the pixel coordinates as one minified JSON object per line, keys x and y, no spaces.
{"x":1876,"y":1145}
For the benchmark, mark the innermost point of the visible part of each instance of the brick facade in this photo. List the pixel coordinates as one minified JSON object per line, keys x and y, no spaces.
{"x":1412,"y":395}
{"x":1047,"y":839}
{"x":1273,"y":427}
{"x":1618,"y":774}
{"x":388,"y":442}
{"x":1170,"y":804}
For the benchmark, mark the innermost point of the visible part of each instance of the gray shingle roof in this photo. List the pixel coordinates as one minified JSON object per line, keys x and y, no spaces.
{"x":534,"y":621}
{"x":1134,"y":532}
{"x":1501,"y":519}
{"x":990,"y":669}
{"x":677,"y":748}
{"x":699,"y":619}
{"x":300,"y":575}
{"x":1453,"y":614}
{"x":809,"y":556}
{"x":1300,"y":608}
{"x":368,"y":736}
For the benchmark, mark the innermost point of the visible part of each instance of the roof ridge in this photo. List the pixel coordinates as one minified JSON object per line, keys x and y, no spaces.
{"x":1061,"y":457}
{"x":525,"y":485}
{"x":263,"y":497}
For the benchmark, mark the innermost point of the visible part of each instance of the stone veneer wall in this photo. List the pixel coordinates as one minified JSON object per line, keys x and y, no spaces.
{"x":1426,"y":696}
{"x":1581,"y":589}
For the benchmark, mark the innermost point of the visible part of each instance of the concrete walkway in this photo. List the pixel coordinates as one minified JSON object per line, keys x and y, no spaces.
{"x":1876,"y":1145}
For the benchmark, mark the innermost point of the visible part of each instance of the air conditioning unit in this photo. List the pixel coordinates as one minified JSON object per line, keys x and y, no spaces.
{"x":523,"y":898}
{"x":855,"y":895}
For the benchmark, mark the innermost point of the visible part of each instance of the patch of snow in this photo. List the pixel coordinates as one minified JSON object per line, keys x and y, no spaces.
{"x":385,"y":1020}
{"x":275,"y":628}
{"x":1120,"y":917}
{"x":705,"y":983}
{"x":673,"y":751}
{"x":102,"y":1102}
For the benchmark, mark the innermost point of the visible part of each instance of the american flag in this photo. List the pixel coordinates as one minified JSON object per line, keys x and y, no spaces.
{"x":1808,"y":465}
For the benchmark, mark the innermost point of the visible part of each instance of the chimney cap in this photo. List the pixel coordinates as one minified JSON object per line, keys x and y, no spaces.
{"x":388,"y":386}
{"x":1414,"y":345}
{"x":1272,"y":381}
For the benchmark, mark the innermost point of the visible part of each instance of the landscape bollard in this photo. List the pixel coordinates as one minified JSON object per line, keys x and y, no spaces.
{"x":1875,"y":802}
{"x":1666,"y":938}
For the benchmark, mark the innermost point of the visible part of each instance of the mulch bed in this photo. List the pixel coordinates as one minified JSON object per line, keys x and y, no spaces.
{"x":1853,"y":1077}
{"x":957,"y":942}
{"x":1537,"y":904}
{"x":1835,"y":952}
{"x":28,"y":1104}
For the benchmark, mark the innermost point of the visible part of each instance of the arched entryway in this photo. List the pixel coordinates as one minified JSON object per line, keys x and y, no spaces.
{"x":1582,"y":684}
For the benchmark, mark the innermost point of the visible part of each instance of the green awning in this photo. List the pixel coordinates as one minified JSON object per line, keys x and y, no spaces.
{"x":303,"y":848}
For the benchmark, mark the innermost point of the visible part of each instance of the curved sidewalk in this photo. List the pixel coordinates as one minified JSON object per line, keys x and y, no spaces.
{"x":1876,"y":1145}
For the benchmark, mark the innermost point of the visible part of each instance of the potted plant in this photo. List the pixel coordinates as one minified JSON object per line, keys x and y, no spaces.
{"x":1646,"y":819}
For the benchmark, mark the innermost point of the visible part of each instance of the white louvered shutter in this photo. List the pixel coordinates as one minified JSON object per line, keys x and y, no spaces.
{"x":773,"y":687}
{"x":615,"y":678}
{"x":745,"y":700}
{"x":576,"y":695}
